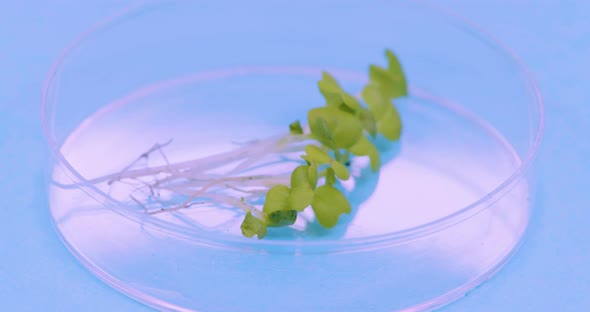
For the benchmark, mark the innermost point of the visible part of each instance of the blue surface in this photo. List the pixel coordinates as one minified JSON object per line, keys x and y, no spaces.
{"x":551,"y":272}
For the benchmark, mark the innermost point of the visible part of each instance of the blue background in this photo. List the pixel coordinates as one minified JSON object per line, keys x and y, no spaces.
{"x":551,"y":272}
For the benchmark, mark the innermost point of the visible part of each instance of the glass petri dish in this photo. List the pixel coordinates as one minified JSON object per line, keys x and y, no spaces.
{"x":448,"y":208}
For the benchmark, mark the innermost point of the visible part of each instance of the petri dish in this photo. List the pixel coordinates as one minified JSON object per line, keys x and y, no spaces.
{"x":448,"y":208}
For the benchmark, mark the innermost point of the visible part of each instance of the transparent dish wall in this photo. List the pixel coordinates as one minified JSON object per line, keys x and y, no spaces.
{"x":448,"y":209}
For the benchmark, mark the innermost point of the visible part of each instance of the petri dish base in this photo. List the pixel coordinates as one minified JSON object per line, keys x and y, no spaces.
{"x":448,"y":208}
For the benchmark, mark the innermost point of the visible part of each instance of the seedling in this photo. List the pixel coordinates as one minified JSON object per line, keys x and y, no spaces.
{"x":345,"y":127}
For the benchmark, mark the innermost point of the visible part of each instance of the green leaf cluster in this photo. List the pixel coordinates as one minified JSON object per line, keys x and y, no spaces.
{"x":283,"y":202}
{"x":342,"y":128}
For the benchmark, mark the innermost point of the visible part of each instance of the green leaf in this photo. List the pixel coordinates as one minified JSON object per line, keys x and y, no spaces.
{"x":364,"y":147}
{"x":385,"y":81}
{"x":345,"y":128}
{"x":343,"y":107}
{"x":300,"y":176}
{"x":253,"y":226}
{"x":375,"y":100}
{"x":301,"y":189}
{"x":335,"y":96}
{"x":330,"y":89}
{"x":368,"y":121}
{"x":391,"y":124}
{"x":328,"y":204}
{"x":332,"y":99}
{"x":281,"y":218}
{"x":328,"y":83}
{"x":316,"y":155}
{"x":387,"y":116}
{"x":313,"y":175}
{"x":341,"y":171}
{"x":351,"y":102}
{"x":300,"y":197}
{"x":277,"y":209}
{"x":295,"y":127}
{"x":396,"y":71}
{"x":320,"y":129}
{"x":276,"y":199}
{"x":330,"y":176}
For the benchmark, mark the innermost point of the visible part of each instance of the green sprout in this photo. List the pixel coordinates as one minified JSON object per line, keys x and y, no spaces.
{"x":340,"y":128}
{"x":344,"y":127}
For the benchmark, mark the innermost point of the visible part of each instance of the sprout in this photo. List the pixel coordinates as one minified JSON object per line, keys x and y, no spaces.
{"x":343,"y":128}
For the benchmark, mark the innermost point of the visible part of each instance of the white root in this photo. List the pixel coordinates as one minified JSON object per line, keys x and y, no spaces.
{"x":197,"y":178}
{"x":251,"y":150}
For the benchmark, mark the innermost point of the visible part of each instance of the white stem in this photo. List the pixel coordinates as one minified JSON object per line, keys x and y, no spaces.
{"x":260,"y":148}
{"x":220,"y":198}
{"x":243,"y":181}
{"x":192,"y":178}
{"x":258,"y":192}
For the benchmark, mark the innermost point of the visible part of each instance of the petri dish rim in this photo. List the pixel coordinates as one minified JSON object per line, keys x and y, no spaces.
{"x":535,"y":103}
